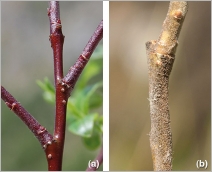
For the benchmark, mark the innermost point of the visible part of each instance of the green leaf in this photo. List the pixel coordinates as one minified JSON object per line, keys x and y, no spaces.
{"x":72,"y":108}
{"x":93,"y":68}
{"x":83,"y":126}
{"x":86,"y":96}
{"x":93,"y":98}
{"x":99,"y":124}
{"x":49,"y":97}
{"x":92,"y":142}
{"x":49,"y":92}
{"x":89,"y":98}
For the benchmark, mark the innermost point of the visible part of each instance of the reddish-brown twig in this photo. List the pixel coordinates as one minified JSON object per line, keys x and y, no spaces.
{"x":53,"y":145}
{"x":75,"y":71}
{"x":54,"y":151}
{"x":38,"y":130}
{"x":99,"y":158}
{"x":64,"y":86}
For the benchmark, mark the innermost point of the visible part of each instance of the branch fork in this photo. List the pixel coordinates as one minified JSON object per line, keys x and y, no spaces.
{"x":53,"y":144}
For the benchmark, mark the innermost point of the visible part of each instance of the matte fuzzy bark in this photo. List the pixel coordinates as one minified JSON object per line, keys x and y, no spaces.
{"x":161,"y":55}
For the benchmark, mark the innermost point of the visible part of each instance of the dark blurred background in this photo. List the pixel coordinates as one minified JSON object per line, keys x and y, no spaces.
{"x":27,"y":57}
{"x":131,"y":24}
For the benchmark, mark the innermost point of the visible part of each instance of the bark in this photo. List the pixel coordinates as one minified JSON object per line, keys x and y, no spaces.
{"x":53,"y":144}
{"x":36,"y":128}
{"x":64,"y":85}
{"x":161,"y":56}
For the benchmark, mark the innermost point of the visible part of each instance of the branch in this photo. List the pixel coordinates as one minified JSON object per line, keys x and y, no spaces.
{"x":57,"y":39}
{"x":53,"y":145}
{"x":75,"y":71}
{"x":64,"y":86}
{"x":54,"y":151}
{"x":99,"y":158}
{"x":40,"y":132}
{"x":161,"y":55}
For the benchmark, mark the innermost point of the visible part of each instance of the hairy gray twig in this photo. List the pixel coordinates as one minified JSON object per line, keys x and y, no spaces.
{"x":161,"y":55}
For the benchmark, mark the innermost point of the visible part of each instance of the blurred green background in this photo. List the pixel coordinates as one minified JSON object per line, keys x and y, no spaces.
{"x":131,"y":24}
{"x":27,"y":57}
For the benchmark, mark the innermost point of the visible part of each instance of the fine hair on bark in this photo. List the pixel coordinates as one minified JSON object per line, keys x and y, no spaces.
{"x":161,"y":56}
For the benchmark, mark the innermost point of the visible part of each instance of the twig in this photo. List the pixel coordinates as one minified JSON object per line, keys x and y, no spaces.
{"x":64,"y":86}
{"x":99,"y":158}
{"x":57,"y":39}
{"x":54,"y":151}
{"x":75,"y":71}
{"x":161,"y":55}
{"x":38,"y":130}
{"x":53,"y":145}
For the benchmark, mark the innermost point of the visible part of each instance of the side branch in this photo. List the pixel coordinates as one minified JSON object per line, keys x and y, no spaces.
{"x":99,"y":158}
{"x":38,"y":130}
{"x":168,"y":40}
{"x":161,"y":55}
{"x":75,"y":71}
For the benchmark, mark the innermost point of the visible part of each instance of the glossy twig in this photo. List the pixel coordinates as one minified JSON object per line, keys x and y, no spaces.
{"x":75,"y":71}
{"x":38,"y":130}
{"x":57,"y":39}
{"x":64,"y":86}
{"x":53,"y":145}
{"x":54,"y":151}
{"x":161,"y":55}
